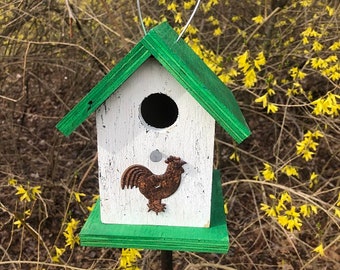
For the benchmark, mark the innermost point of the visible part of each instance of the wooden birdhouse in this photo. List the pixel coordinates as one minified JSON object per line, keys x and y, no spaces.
{"x":155,"y":116}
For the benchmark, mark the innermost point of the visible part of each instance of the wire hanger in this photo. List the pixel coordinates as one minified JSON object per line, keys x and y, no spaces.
{"x":189,"y":21}
{"x":140,"y":17}
{"x":185,"y":26}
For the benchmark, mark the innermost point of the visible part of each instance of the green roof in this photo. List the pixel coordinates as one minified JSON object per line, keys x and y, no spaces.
{"x":184,"y":65}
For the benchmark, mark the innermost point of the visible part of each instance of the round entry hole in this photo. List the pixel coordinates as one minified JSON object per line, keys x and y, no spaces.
{"x":159,"y":110}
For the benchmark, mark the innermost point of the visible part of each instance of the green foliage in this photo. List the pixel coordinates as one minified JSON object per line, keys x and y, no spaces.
{"x":280,"y":58}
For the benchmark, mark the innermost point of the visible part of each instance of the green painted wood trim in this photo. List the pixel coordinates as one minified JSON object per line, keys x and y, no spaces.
{"x":214,"y":239}
{"x":102,"y":91}
{"x":195,"y":76}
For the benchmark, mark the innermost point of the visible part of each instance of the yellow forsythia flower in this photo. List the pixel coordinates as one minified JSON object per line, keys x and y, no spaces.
{"x":328,"y":105}
{"x":330,"y":10}
{"x":217,"y":32}
{"x":129,"y":258}
{"x":285,"y":197}
{"x":178,"y":17}
{"x":225,"y":206}
{"x":319,"y":249}
{"x":188,"y":4}
{"x":310,"y":32}
{"x":12,"y":182}
{"x":232,"y":72}
{"x":263,"y":99}
{"x":235,"y":18}
{"x":24,"y":194}
{"x":77,"y":196}
{"x":225,"y":78}
{"x":307,"y":209}
{"x":290,"y":219}
{"x":337,"y":212}
{"x":318,"y":63}
{"x":95,"y":197}
{"x":213,"y":20}
{"x":307,"y":146}
{"x":258,"y":19}
{"x":317,"y":46}
{"x":172,"y":6}
{"x":34,"y":191}
{"x":192,"y":29}
{"x":268,"y":173}
{"x":28,"y":194}
{"x":250,"y":78}
{"x":242,"y":60}
{"x":19,"y":223}
{"x":148,"y":21}
{"x":260,"y":60}
{"x":295,"y":73}
{"x":272,"y":108}
{"x":234,"y":156}
{"x":290,"y":170}
{"x":90,"y":208}
{"x":269,"y":210}
{"x":335,"y":46}
{"x":59,"y":252}
{"x":313,"y":179}
{"x":69,"y":233}
{"x":305,"y":3}
{"x":94,"y":200}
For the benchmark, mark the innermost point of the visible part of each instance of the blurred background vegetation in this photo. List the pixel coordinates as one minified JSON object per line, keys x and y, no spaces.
{"x":281,"y":186}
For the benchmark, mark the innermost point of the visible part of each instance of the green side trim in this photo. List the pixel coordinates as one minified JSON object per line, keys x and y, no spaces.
{"x":195,"y":76}
{"x":213,"y":240}
{"x":102,"y":91}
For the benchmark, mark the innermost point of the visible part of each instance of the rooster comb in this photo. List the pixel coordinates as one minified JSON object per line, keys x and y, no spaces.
{"x":174,"y":159}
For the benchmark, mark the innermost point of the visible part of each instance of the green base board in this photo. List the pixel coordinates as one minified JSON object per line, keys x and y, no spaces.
{"x":213,"y":240}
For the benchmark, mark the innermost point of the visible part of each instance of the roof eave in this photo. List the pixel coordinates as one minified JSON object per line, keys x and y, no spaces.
{"x":104,"y":89}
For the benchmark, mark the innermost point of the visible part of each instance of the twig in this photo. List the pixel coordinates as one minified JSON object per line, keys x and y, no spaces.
{"x":94,"y":160}
{"x":11,"y":99}
{"x":263,"y":23}
{"x":59,"y":266}
{"x":54,"y":43}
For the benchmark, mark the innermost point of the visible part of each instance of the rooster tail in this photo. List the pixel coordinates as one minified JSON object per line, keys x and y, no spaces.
{"x":132,"y":175}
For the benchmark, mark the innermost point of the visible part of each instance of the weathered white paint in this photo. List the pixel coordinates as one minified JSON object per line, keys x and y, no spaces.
{"x":124,"y":139}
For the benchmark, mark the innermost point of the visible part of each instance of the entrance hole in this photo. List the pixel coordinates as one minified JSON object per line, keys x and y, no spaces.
{"x":159,"y":110}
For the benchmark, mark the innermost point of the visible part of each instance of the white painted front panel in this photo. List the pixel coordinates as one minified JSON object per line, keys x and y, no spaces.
{"x":124,"y":139}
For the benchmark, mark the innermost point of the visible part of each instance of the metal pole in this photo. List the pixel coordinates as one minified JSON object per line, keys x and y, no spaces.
{"x":166,"y":259}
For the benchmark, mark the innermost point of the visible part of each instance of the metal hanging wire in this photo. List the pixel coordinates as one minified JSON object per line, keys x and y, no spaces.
{"x":184,"y":28}
{"x":140,"y":17}
{"x":189,"y":21}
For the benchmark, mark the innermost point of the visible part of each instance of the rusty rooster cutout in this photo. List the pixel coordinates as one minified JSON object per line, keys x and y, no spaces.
{"x":155,"y":187}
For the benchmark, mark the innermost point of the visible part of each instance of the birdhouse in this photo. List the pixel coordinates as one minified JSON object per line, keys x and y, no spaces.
{"x":155,"y":117}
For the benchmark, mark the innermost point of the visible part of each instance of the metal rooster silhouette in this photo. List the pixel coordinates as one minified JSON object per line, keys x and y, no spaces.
{"x":155,"y":187}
